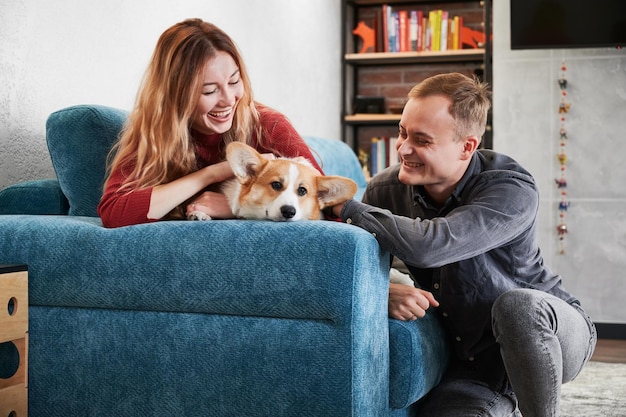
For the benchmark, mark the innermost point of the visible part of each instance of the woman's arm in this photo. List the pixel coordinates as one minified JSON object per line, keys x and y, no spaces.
{"x":119,"y":207}
{"x":166,"y":197}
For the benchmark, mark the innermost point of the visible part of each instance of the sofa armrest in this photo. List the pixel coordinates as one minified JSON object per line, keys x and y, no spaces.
{"x":34,"y":197}
{"x":301,"y":305}
{"x":215,"y":267}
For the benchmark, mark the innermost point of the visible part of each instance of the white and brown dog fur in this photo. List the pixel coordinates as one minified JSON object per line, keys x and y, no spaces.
{"x":281,"y":189}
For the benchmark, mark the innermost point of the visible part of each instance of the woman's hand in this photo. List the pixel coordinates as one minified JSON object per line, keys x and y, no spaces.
{"x":213,"y":204}
{"x":409,"y":303}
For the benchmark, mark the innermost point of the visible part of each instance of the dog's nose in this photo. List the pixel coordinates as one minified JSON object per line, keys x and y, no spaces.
{"x":288,"y":211}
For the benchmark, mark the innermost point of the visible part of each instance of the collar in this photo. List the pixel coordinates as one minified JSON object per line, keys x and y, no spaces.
{"x":203,"y":138}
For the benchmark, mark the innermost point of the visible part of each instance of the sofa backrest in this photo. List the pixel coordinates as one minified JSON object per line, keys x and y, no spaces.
{"x":79,"y":140}
{"x":337,"y":158}
{"x":80,"y":137}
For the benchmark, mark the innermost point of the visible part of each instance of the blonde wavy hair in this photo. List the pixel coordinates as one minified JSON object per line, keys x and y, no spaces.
{"x":156,"y":140}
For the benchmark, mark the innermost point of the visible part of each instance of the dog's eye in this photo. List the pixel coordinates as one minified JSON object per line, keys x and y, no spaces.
{"x":277,"y":185}
{"x":302,"y":191}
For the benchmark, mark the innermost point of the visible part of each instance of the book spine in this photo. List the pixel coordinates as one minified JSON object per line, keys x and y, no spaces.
{"x":430,"y":37}
{"x":382,"y":152}
{"x":414,"y":30}
{"x":437,"y":31}
{"x":396,"y":21}
{"x":385,"y":24}
{"x":403,"y":32}
{"x":373,"y":156}
{"x":421,"y":40}
{"x":455,"y":32}
{"x":378,"y":27}
{"x":444,"y":31}
{"x":394,"y":158}
{"x":460,"y":32}
{"x":391,"y":31}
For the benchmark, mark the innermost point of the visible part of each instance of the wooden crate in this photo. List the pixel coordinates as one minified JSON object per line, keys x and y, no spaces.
{"x":13,"y":340}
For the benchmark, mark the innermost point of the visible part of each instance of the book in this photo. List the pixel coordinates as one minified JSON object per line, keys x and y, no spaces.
{"x":392,"y":29}
{"x":385,"y":26}
{"x":459,"y":32}
{"x":454,"y":33}
{"x":374,"y":156}
{"x":403,"y":31}
{"x":413,"y":30}
{"x":421,"y":40}
{"x":444,"y":30}
{"x":378,"y":25}
{"x":394,"y":158}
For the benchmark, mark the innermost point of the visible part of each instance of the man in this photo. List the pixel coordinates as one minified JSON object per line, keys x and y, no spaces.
{"x":463,"y":221}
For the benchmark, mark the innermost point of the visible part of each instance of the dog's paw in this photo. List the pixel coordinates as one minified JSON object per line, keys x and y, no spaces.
{"x":198,"y":215}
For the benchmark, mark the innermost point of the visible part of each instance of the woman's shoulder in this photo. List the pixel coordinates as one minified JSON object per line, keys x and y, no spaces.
{"x":269,"y":114}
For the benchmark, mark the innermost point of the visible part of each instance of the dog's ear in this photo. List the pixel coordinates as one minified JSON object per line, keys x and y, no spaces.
{"x":244,"y":160}
{"x":332,"y":190}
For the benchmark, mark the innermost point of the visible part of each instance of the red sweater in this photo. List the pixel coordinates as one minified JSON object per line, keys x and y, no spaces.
{"x":118,"y":209}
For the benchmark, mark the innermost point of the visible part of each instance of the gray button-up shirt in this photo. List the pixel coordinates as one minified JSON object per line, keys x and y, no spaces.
{"x":480,"y":244}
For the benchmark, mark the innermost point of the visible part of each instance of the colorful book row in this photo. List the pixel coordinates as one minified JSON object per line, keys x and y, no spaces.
{"x":416,"y":30}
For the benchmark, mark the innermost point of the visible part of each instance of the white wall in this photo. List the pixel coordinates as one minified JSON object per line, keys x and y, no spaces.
{"x":67,"y":52}
{"x":526,"y":126}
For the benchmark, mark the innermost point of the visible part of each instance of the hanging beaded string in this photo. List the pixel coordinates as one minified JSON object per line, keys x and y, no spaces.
{"x":561,"y":182}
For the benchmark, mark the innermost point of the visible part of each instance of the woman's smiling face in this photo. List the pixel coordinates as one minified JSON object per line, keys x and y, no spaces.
{"x":221,"y":91}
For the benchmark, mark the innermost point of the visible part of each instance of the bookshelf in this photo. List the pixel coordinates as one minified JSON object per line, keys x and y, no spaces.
{"x":381,"y":68}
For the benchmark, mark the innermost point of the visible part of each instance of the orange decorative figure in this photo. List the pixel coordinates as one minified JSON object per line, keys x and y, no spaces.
{"x":471,"y":37}
{"x":367,"y":35}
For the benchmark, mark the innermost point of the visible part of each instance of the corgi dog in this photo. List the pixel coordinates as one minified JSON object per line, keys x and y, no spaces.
{"x":281,"y":189}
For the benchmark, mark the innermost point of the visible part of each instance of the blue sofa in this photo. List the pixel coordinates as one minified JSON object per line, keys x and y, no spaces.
{"x":217,"y":318}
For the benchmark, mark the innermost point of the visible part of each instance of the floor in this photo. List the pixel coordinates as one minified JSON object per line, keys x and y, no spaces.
{"x":610,"y":350}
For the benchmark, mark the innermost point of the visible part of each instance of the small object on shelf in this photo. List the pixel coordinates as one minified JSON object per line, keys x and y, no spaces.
{"x":472,"y":38}
{"x":369,"y":104}
{"x":368,"y":37}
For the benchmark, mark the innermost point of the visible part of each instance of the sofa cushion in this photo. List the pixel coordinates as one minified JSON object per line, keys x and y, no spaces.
{"x":33,"y":197}
{"x":412,"y":344}
{"x":79,"y":140}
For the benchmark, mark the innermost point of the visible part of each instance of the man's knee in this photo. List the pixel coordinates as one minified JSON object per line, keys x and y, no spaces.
{"x":517,"y":308}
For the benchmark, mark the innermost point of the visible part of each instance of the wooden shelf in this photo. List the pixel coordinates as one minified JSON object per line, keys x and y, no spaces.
{"x":367,"y":118}
{"x":460,"y":55}
{"x":395,"y":2}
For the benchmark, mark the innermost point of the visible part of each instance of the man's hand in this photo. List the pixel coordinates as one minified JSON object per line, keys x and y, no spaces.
{"x":337,"y":209}
{"x":409,"y":303}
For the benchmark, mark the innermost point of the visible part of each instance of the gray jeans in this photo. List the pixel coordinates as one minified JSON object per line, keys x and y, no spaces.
{"x":543,"y":342}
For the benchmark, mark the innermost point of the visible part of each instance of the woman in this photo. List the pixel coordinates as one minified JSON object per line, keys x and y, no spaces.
{"x":195,"y":98}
